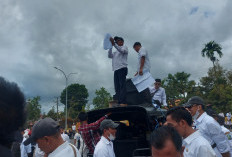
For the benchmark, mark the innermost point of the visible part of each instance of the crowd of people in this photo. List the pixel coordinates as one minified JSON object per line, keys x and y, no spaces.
{"x":189,"y":130}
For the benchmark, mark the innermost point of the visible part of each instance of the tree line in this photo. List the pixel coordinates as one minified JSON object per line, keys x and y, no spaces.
{"x":215,"y":88}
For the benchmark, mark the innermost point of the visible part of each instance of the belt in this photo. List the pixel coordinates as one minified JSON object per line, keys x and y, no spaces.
{"x":214,"y":145}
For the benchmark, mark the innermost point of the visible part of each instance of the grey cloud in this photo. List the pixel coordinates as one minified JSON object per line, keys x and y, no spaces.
{"x":35,"y":36}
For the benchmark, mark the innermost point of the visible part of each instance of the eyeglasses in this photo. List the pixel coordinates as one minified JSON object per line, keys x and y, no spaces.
{"x":158,"y":84}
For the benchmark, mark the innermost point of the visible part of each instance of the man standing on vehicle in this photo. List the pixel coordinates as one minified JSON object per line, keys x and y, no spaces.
{"x":209,"y":128}
{"x":143,"y":59}
{"x":119,"y":64}
{"x":89,"y":132}
{"x":105,"y":148}
{"x":158,"y":94}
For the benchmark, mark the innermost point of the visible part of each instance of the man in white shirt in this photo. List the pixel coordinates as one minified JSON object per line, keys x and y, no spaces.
{"x":25,"y":150}
{"x":119,"y":64}
{"x":64,"y":136}
{"x":158,"y":94}
{"x":143,"y":59}
{"x":195,"y":145}
{"x":104,"y":147}
{"x":208,"y":127}
{"x":46,"y":133}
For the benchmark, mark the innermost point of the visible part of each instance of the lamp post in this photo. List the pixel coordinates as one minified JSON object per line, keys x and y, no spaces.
{"x":66,"y":101}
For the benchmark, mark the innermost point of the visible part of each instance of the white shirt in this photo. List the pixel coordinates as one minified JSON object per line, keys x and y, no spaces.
{"x":65,"y":137}
{"x":160,"y":95}
{"x":197,"y":146}
{"x":38,"y":152}
{"x":143,"y":53}
{"x":104,"y":148}
{"x":83,"y":148}
{"x":65,"y":150}
{"x":74,"y":127}
{"x":119,"y":57}
{"x":212,"y":132}
{"x":25,"y":149}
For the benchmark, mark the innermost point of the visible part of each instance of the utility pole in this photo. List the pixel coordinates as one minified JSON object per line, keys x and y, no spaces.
{"x":57,"y":103}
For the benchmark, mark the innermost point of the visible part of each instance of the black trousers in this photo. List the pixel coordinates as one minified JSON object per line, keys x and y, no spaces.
{"x":120,"y":84}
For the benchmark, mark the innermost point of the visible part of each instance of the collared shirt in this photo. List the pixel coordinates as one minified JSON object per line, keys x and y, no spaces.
{"x":143,"y":53}
{"x":197,"y":146}
{"x":65,"y":137}
{"x":65,"y":150}
{"x":88,"y":131}
{"x":25,"y":149}
{"x":119,"y":57}
{"x":104,"y":148}
{"x":212,"y":132}
{"x":159,"y":95}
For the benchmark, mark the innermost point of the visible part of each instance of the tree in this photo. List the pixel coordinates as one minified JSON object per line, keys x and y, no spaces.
{"x":102,"y":99}
{"x":209,"y":50}
{"x":33,"y":108}
{"x":77,"y":98}
{"x":52,"y":114}
{"x":217,"y":88}
{"x":178,"y":86}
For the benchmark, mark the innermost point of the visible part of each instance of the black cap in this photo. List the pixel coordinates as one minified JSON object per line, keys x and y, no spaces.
{"x":158,"y":80}
{"x":194,"y":100}
{"x":44,"y":127}
{"x":108,"y":123}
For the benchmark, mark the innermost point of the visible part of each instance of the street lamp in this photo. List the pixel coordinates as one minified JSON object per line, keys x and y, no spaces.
{"x":66,"y":101}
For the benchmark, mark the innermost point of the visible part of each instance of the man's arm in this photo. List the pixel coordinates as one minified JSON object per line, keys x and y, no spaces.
{"x":110,"y":54}
{"x":96,"y":125}
{"x":219,"y":138}
{"x":121,"y":49}
{"x":142,"y":61}
{"x":163,"y":98}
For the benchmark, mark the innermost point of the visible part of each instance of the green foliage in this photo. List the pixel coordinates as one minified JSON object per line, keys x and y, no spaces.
{"x":52,"y":114}
{"x":77,"y":98}
{"x":178,"y":86}
{"x":217,"y":88}
{"x":102,"y":99}
{"x":33,"y":108}
{"x":209,"y":50}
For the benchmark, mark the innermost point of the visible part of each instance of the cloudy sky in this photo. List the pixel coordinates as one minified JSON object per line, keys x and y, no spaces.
{"x":35,"y":36}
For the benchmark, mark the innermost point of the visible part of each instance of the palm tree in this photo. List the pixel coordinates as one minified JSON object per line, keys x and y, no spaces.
{"x":209,"y":50}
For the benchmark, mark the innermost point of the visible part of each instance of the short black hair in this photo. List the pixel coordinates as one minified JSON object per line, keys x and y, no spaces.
{"x":12,"y":111}
{"x":116,"y":38}
{"x":220,"y":120}
{"x":137,"y":44}
{"x":164,"y":133}
{"x":178,"y":113}
{"x":83,"y":116}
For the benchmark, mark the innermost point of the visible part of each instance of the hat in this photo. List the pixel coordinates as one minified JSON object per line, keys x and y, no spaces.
{"x":44,"y":127}
{"x":157,"y":80}
{"x":194,"y":100}
{"x":108,"y":123}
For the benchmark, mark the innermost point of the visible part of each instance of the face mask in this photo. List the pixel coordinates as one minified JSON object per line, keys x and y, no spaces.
{"x":111,"y":137}
{"x":196,"y":115}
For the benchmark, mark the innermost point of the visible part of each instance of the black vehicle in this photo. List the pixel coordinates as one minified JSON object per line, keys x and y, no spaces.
{"x":137,"y":121}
